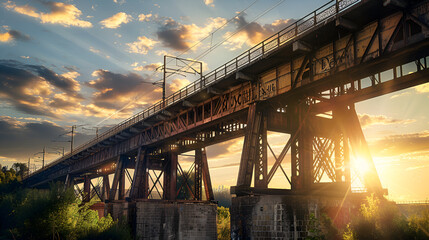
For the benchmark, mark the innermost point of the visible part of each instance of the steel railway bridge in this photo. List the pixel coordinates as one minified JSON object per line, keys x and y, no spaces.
{"x":303,"y":81}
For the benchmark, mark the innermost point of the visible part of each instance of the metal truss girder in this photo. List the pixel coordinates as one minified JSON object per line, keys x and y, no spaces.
{"x":170,"y":176}
{"x":206,"y":176}
{"x":349,"y":123}
{"x":250,"y":147}
{"x":118,"y":177}
{"x":139,"y":185}
{"x":198,"y":174}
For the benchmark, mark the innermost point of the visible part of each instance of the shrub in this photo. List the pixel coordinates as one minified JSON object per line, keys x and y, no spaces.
{"x":223,"y":223}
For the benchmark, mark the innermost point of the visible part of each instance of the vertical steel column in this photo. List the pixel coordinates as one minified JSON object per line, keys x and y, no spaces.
{"x":305,"y":149}
{"x":250,"y":147}
{"x":302,"y":148}
{"x":119,"y":172}
{"x":206,"y":177}
{"x":170,"y":176}
{"x":198,"y":173}
{"x":106,"y":188}
{"x":261,"y":168}
{"x":339,"y":157}
{"x":349,"y":123}
{"x":121,"y":190}
{"x":293,"y":119}
{"x":68,"y":181}
{"x":139,"y":185}
{"x":86,"y":189}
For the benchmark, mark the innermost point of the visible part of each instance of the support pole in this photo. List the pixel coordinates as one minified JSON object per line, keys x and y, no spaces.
{"x":121,"y":189}
{"x":86,"y":189}
{"x":139,"y":186}
{"x":198,"y":174}
{"x":119,"y":171}
{"x":170,"y":176}
{"x":250,"y":145}
{"x":261,"y":168}
{"x":106,"y":188}
{"x":206,"y":176}
{"x":349,"y":123}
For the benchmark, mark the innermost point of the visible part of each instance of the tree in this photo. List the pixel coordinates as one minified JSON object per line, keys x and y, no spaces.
{"x":20,"y":168}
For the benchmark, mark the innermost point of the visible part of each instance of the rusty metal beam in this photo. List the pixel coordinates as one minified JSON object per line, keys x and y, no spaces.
{"x":139,"y":184}
{"x":206,"y":176}
{"x":249,"y":152}
{"x":170,"y":176}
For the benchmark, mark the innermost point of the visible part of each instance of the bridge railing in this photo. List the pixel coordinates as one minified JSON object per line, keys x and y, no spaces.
{"x":292,"y":31}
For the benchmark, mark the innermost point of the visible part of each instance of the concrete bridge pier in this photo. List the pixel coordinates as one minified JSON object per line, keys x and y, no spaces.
{"x":167,"y":219}
{"x":165,"y":200}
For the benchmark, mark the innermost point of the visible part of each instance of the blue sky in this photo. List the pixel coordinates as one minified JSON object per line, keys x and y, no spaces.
{"x":77,"y":62}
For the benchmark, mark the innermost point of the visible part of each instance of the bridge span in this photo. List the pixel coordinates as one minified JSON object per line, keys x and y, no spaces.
{"x":303,"y":81}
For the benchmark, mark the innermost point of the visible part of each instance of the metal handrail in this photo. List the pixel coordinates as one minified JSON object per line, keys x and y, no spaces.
{"x":274,"y":42}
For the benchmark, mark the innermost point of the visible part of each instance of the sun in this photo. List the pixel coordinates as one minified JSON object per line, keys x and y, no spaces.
{"x":361,"y":166}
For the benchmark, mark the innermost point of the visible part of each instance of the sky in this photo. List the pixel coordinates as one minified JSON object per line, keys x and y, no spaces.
{"x":78,"y":62}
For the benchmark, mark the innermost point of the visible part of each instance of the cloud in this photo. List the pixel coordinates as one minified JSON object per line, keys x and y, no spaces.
{"x":142,"y":45}
{"x":115,"y":89}
{"x":13,"y":35}
{"x":401,"y":144}
{"x":400,"y":95}
{"x":116,"y":20}
{"x":29,"y":87}
{"x":145,"y":17}
{"x":20,"y":139}
{"x":161,"y":52}
{"x":97,"y":51}
{"x":253,"y":33}
{"x":120,"y":2}
{"x":367,"y":120}
{"x":60,"y":13}
{"x":209,"y":3}
{"x":149,"y":67}
{"x":424,"y":88}
{"x":178,"y":84}
{"x":180,"y":37}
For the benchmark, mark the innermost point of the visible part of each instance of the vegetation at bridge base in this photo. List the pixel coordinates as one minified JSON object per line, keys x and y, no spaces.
{"x":223,"y":197}
{"x":54,"y":213}
{"x":223,"y":223}
{"x":377,"y":219}
{"x":381,"y":219}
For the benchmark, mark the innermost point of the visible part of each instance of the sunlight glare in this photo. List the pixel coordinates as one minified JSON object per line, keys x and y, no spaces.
{"x":361,"y":166}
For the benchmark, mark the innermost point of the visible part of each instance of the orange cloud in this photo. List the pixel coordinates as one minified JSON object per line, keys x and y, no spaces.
{"x":367,"y":120}
{"x":181,"y":37}
{"x":251,"y":33}
{"x":178,"y":84}
{"x":5,"y":37}
{"x":116,"y":20}
{"x":61,"y":13}
{"x":148,"y":67}
{"x":11,"y":35}
{"x":209,"y":3}
{"x":146,"y":17}
{"x":142,"y":45}
{"x":424,"y":88}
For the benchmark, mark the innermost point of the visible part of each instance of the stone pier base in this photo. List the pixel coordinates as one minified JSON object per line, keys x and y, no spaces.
{"x":167,"y":220}
{"x":285,"y":217}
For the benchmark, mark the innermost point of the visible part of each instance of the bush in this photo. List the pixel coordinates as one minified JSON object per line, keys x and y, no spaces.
{"x":223,"y":223}
{"x":52,"y":214}
{"x":378,"y":219}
